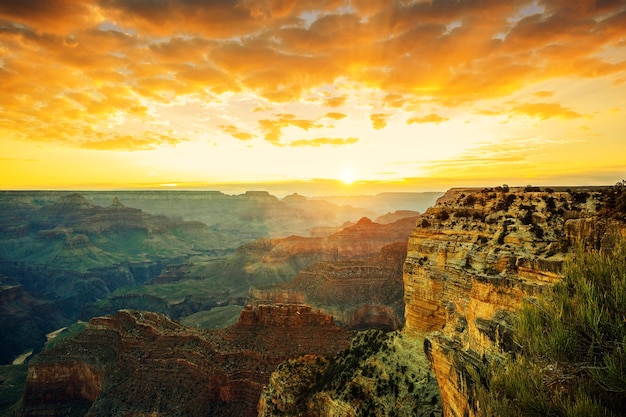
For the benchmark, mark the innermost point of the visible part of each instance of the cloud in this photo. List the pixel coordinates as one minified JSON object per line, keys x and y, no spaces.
{"x":379,"y":120}
{"x":273,"y":128}
{"x":430,"y":118}
{"x":544,"y":111}
{"x":52,"y":16}
{"x":323,"y":141}
{"x":540,"y":111}
{"x":335,"y":101}
{"x":543,"y":94}
{"x":490,"y":159}
{"x":236,"y":133}
{"x":120,"y":142}
{"x":336,"y":116}
{"x":212,"y":18}
{"x":86,"y":64}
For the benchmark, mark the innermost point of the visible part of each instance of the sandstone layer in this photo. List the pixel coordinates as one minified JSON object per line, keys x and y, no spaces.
{"x":140,"y":363}
{"x":361,"y":293}
{"x":471,"y":261}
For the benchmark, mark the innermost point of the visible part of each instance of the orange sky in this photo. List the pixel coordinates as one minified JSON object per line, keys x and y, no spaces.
{"x":386,"y":95}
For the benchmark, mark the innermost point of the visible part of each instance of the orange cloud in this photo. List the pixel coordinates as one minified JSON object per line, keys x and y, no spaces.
{"x":335,"y":101}
{"x":273,"y":128}
{"x":431,"y":118}
{"x":236,"y":133}
{"x":336,"y":116}
{"x":59,"y":17}
{"x":324,"y":141}
{"x":379,"y":120}
{"x":543,"y":94}
{"x":148,"y":140}
{"x":82,"y":64}
{"x":544,"y":111}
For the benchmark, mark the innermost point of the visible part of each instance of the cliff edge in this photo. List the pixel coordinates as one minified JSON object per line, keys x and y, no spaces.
{"x":472,"y":259}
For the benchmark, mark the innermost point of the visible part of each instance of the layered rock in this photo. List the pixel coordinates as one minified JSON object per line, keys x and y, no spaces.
{"x":360,"y":293}
{"x":140,"y":363}
{"x":364,"y":239}
{"x":472,"y":260}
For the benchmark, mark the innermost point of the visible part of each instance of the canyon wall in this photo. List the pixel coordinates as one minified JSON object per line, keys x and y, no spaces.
{"x":360,"y":293}
{"x":472,"y":259}
{"x":141,"y":363}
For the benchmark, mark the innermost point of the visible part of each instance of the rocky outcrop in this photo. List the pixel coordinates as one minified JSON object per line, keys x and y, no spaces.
{"x":364,"y":239}
{"x":380,"y":374}
{"x":140,"y":363}
{"x":360,"y":294}
{"x":472,"y":259}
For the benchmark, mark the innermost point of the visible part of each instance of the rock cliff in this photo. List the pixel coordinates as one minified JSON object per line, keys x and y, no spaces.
{"x":141,"y":363}
{"x":361,"y":293}
{"x":472,"y":259}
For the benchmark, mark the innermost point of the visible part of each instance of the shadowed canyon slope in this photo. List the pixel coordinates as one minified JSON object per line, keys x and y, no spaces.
{"x":263,"y":262}
{"x":141,"y":363}
{"x":473,"y":258}
{"x":63,"y":255}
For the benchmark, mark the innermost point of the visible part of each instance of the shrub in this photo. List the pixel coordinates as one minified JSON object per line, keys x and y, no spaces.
{"x":536,"y":230}
{"x":572,"y":359}
{"x":470,"y":200}
{"x":506,"y":202}
{"x":614,"y":200}
{"x":527,"y":218}
{"x":530,"y":189}
{"x":443,"y":215}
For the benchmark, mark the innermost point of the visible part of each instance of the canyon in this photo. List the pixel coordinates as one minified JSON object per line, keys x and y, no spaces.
{"x":471,"y":261}
{"x":64,"y":257}
{"x":445,"y":287}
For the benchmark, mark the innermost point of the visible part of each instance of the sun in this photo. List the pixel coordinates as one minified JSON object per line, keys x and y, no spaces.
{"x":347,"y":175}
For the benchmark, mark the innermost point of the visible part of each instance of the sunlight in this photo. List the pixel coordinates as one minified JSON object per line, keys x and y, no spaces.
{"x":347,"y":175}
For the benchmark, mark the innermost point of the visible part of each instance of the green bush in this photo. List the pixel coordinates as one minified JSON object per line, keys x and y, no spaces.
{"x":572,"y":341}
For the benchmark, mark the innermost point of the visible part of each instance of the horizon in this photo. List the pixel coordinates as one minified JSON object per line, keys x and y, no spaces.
{"x":281,"y":191}
{"x":344,"y":96}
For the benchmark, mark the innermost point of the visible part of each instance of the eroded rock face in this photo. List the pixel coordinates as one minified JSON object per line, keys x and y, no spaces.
{"x":364,"y":239}
{"x":141,"y":363}
{"x":473,"y":258}
{"x":359,"y":293}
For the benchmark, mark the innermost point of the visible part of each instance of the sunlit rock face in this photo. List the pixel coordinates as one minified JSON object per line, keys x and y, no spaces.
{"x":359,"y":293}
{"x":472,"y":259}
{"x":363,"y":239}
{"x":141,"y":363}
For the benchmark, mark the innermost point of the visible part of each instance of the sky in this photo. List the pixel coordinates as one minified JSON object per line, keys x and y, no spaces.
{"x":349,"y":96}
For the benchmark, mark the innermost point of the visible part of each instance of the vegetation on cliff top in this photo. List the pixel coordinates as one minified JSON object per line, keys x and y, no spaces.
{"x":572,"y":347}
{"x":380,"y":374}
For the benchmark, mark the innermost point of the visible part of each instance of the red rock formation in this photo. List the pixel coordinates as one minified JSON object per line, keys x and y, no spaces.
{"x":140,"y":363}
{"x":361,"y":293}
{"x":364,"y":239}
